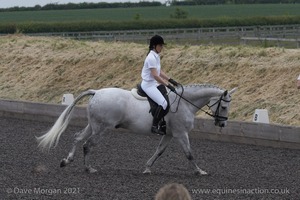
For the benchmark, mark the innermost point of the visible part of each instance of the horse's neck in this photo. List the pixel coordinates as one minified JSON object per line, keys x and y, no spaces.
{"x":200,"y":95}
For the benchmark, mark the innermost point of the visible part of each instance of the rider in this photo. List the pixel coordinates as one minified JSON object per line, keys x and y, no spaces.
{"x":151,"y":75}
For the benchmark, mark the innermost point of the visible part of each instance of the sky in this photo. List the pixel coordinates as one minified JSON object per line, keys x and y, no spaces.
{"x":31,"y":3}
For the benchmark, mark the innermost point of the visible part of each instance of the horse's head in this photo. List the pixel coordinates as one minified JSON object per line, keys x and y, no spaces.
{"x":219,"y":107}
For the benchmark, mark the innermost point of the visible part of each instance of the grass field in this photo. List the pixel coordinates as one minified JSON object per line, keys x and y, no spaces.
{"x":123,"y":14}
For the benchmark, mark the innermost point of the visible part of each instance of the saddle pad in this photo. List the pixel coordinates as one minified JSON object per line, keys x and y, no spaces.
{"x":136,"y":95}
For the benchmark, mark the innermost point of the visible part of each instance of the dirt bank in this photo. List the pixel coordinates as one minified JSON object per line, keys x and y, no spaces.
{"x":42,"y":69}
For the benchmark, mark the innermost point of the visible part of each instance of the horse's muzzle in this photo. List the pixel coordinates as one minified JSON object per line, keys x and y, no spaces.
{"x":220,"y":123}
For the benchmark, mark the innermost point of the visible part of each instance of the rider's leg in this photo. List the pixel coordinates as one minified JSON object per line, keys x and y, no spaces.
{"x":158,"y":115}
{"x":152,"y":91}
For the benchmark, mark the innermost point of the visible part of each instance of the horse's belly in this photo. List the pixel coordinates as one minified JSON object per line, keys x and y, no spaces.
{"x":140,"y":126}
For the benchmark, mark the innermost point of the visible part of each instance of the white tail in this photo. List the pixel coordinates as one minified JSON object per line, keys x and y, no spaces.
{"x":51,"y":138}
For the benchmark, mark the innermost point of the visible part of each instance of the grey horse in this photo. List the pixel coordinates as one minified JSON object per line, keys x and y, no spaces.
{"x":112,"y":108}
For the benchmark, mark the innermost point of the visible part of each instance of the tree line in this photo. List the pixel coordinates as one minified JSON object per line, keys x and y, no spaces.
{"x":85,"y":5}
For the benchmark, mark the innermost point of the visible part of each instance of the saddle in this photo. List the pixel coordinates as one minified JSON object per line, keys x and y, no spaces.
{"x":153,"y":104}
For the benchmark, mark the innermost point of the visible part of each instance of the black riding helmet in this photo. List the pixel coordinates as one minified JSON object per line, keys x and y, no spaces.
{"x":155,"y":40}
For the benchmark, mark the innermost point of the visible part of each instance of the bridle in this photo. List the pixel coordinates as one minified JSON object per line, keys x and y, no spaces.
{"x":217,"y":117}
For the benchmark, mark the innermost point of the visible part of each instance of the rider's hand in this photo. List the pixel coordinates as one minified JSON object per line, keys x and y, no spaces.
{"x":173,"y":82}
{"x":171,"y":88}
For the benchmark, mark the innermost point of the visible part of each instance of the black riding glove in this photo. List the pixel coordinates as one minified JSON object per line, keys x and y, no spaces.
{"x":171,"y":88}
{"x":173,"y":82}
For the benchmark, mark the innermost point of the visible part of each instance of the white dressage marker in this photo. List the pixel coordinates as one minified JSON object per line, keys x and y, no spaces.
{"x":67,"y":99}
{"x":261,"y":116}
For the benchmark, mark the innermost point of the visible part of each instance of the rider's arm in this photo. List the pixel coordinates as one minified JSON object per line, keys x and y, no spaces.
{"x":157,"y":77}
{"x":164,"y":75}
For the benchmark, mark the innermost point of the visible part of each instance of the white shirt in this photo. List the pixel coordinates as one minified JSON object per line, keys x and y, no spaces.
{"x":152,"y":61}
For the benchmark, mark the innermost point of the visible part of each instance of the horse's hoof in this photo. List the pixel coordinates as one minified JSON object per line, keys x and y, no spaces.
{"x":90,"y":170}
{"x":201,"y":173}
{"x":147,"y":171}
{"x":63,"y":162}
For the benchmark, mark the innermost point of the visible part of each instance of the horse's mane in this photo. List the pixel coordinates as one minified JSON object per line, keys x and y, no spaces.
{"x":203,"y":85}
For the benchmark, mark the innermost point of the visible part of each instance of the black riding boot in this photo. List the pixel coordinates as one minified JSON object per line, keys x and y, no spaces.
{"x":158,"y":115}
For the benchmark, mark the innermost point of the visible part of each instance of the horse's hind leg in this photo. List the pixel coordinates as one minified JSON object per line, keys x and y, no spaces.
{"x":79,"y":136}
{"x":159,"y":151}
{"x":87,"y":146}
{"x":86,"y":151}
{"x":185,"y":144}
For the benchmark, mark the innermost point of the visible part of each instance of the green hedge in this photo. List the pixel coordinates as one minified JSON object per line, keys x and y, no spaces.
{"x":81,"y":26}
{"x":8,"y":28}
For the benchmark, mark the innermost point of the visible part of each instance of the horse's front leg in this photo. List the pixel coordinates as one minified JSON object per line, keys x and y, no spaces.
{"x":159,"y":151}
{"x":183,"y":140}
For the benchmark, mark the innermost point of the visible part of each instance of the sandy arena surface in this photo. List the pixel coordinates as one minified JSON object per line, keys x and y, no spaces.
{"x":237,"y":171}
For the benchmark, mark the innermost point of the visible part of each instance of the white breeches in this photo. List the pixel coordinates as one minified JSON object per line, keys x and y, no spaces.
{"x":150,"y":88}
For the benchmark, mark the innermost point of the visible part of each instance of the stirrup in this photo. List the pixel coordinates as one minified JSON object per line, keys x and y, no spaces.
{"x":156,"y":130}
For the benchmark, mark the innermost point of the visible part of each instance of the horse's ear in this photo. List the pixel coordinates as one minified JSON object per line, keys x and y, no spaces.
{"x":225,"y":93}
{"x":233,"y":90}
